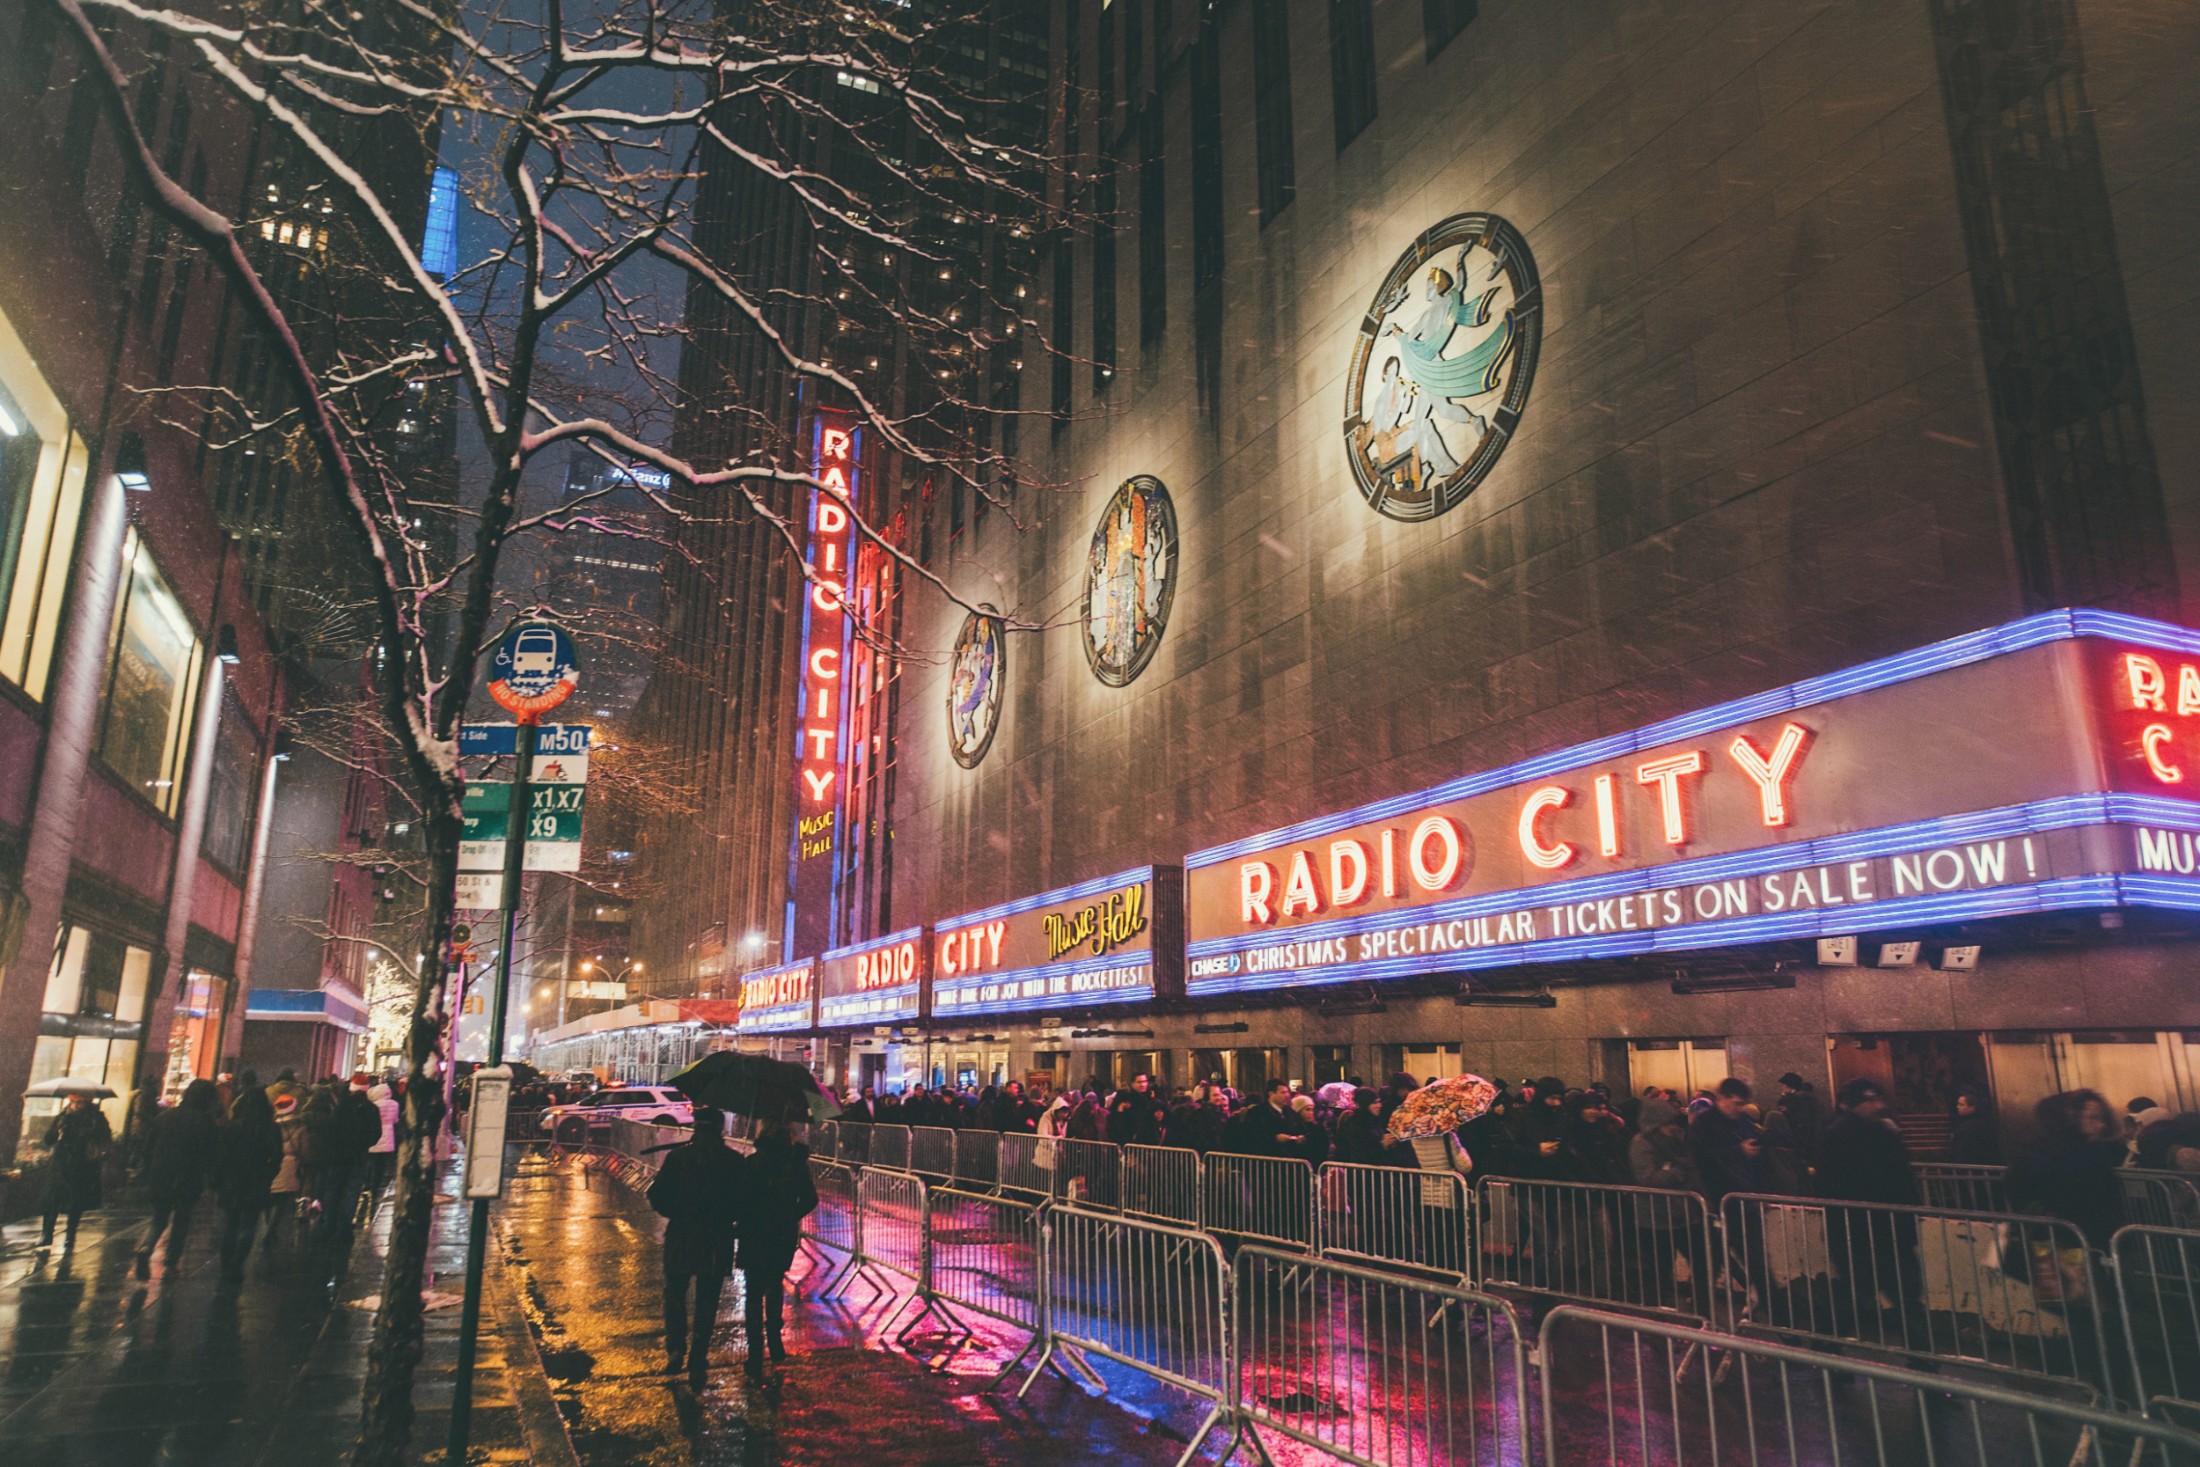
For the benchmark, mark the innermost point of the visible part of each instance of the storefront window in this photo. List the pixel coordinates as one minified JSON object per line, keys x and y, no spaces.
{"x":1331,"y":1063}
{"x":195,"y":1039}
{"x":92,"y":1024}
{"x":42,"y":469}
{"x":152,"y":682}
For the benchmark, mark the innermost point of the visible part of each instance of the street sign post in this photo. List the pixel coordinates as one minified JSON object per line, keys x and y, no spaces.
{"x":533,"y":671}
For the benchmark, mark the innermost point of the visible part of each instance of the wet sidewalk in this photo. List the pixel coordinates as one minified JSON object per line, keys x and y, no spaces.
{"x":584,"y":1253}
{"x":98,"y":1367}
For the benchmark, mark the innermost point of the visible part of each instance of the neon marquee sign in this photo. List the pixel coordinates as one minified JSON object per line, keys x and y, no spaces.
{"x":779,"y":999}
{"x":1882,"y":796}
{"x":876,"y":982}
{"x":1116,"y":939}
{"x":821,"y":711}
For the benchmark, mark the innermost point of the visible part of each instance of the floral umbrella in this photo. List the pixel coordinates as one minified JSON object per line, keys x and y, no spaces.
{"x":1444,"y":1106}
{"x":1337,"y":1095}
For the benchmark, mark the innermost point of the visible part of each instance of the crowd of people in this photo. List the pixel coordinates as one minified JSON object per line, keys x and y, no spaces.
{"x":306,"y":1160}
{"x":1718,"y":1141}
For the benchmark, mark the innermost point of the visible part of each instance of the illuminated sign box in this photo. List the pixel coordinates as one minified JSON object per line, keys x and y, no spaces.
{"x":876,"y":982}
{"x":2046,"y":764}
{"x":779,"y":1000}
{"x":1119,"y":939}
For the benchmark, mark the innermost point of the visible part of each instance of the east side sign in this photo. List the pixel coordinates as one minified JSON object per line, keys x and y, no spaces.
{"x":2016,"y":769}
{"x":1115,"y":940}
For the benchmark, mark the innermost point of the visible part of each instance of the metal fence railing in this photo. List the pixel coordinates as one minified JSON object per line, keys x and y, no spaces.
{"x":932,"y":1151}
{"x":1962,"y":1187}
{"x":829,"y":1232}
{"x":2158,"y":1293}
{"x":1149,"y":1297}
{"x":978,"y":1160}
{"x":1024,"y":1164}
{"x":2011,"y":1293}
{"x":1089,"y":1174}
{"x":891,"y":1227}
{"x":1619,"y":1390}
{"x":889,"y":1147}
{"x":1395,"y":1218}
{"x":1161,"y":1184}
{"x":1259,"y":1199}
{"x":984,"y":1260}
{"x":2155,"y":1199}
{"x":1633,"y":1248}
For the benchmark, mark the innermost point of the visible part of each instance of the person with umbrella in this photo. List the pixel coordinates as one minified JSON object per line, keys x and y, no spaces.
{"x":777,"y":1194}
{"x":698,"y":1192}
{"x":76,"y":1149}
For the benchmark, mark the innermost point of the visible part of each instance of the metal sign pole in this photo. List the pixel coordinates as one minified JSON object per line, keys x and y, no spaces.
{"x":477,"y":1233}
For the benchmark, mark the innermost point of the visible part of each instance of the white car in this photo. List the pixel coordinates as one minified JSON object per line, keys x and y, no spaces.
{"x":656,"y":1103}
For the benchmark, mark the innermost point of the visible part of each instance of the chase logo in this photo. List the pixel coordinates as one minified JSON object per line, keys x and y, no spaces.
{"x":1216,"y":967}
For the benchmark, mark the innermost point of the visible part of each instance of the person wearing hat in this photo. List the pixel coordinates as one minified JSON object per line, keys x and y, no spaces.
{"x":1806,"y":1115}
{"x":698,"y":1192}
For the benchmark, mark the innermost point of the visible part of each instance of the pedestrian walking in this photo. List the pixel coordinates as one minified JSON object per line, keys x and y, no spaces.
{"x":1806,"y":1116}
{"x":777,"y":1193}
{"x":288,"y":1188}
{"x":247,"y":1160}
{"x":2070,"y":1172}
{"x":77,"y":1144}
{"x":1863,"y":1158}
{"x":353,"y":1127}
{"x":179,"y":1156}
{"x":698,"y":1193}
{"x":382,"y":1155}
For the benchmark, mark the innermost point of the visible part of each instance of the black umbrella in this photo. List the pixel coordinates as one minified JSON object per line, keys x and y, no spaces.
{"x":753,"y":1085}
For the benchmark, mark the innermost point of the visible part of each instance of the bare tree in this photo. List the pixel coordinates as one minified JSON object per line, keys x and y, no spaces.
{"x":911,"y":189}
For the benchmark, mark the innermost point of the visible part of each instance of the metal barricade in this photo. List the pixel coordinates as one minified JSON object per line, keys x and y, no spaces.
{"x":1089,"y":1174}
{"x":2014,"y":1294}
{"x":829,"y":1232}
{"x":2155,"y":1199}
{"x":1162,"y":1183}
{"x":978,"y":1160}
{"x":889,"y":1147}
{"x":2158,"y":1285}
{"x":855,"y":1142}
{"x":825,"y":1140}
{"x":1264,"y":1199}
{"x":1375,"y":1368}
{"x":1631,"y":1248}
{"x":1025,"y":1165}
{"x":1964,"y":1188}
{"x":932,"y":1152}
{"x":983,"y":1259}
{"x":891,"y":1226}
{"x":1619,"y":1390}
{"x":1147,"y":1296}
{"x":1395,"y":1217}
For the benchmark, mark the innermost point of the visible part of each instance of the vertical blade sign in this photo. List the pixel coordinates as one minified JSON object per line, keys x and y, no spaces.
{"x":821,"y":718}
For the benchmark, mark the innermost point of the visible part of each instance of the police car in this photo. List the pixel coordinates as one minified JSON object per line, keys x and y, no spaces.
{"x":656,"y":1103}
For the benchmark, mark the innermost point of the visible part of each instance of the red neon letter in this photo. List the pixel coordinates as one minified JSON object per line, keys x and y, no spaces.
{"x":820,"y":782}
{"x":825,"y":663}
{"x":1256,"y":879}
{"x":1299,"y":892}
{"x":825,"y":595}
{"x":1607,"y":819}
{"x":1771,"y":775}
{"x":1549,"y":857}
{"x":836,"y":443}
{"x":2188,"y":690}
{"x":2145,"y":676}
{"x":1347,"y":872}
{"x":831,"y":518}
{"x":1390,"y":862}
{"x":1666,"y":775}
{"x":2151,"y":740}
{"x":1449,"y":853}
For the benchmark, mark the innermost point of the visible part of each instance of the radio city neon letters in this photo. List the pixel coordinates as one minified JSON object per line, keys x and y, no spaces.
{"x":1436,"y":859}
{"x":2148,"y":684}
{"x":971,"y":948}
{"x":887,"y":967}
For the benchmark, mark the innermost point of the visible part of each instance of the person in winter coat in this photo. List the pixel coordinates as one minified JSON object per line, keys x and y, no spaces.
{"x":1975,"y":1138}
{"x":1196,"y":1123}
{"x":698,"y":1192}
{"x":1314,"y":1139}
{"x":1806,"y":1116}
{"x":382,"y":1155}
{"x":1863,"y":1158}
{"x":2071,"y":1172}
{"x":342,"y":1164}
{"x":1363,"y":1131}
{"x":247,"y":1160}
{"x":1659,"y":1156}
{"x":289,"y":1184}
{"x":1539,"y":1131}
{"x":1729,"y":1146}
{"x":77,"y":1144}
{"x":1592,"y":1147}
{"x":1268,"y":1127}
{"x":179,"y":1156}
{"x":1134,"y":1115}
{"x":777,"y":1194}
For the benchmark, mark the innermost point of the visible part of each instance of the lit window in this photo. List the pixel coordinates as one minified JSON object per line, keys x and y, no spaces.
{"x":857,"y":80}
{"x":42,"y":471}
{"x":152,"y":682}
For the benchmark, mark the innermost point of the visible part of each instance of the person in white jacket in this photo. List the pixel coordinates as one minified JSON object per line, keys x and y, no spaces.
{"x":382,"y":1156}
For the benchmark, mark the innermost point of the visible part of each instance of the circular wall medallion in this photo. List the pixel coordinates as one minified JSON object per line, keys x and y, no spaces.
{"x":975,"y":677}
{"x":1130,"y":579}
{"x":1442,"y":365}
